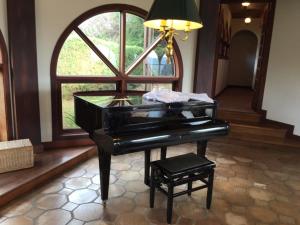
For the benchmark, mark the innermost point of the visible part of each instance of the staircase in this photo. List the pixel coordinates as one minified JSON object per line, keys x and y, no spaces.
{"x":252,"y":128}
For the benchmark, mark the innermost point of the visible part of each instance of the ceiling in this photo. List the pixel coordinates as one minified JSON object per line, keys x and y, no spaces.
{"x":255,"y":10}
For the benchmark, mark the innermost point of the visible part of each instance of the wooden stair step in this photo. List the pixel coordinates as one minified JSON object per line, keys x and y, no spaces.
{"x":48,"y":165}
{"x":259,"y":129}
{"x":235,"y":116}
{"x":274,"y":143}
{"x":282,"y":142}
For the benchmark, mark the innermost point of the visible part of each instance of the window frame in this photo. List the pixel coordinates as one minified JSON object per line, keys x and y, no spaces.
{"x":5,"y":76}
{"x":121,"y":79}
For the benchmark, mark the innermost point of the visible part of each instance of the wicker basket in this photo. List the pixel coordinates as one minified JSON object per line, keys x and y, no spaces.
{"x":16,"y":155}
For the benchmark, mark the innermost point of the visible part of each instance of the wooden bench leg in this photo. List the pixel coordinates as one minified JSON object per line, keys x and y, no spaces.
{"x":163,"y":153}
{"x":201,"y":148}
{"x":190,"y":186}
{"x":147,"y":166}
{"x":152,"y":189}
{"x":210,"y":188}
{"x":170,"y":203}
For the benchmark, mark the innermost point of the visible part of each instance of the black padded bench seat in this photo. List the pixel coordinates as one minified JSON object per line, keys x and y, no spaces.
{"x":179,"y":170}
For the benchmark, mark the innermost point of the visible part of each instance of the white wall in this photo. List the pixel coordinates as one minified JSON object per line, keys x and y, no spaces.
{"x":256,"y":27}
{"x":282,"y":92}
{"x":222,"y":75}
{"x":3,"y":19}
{"x":53,"y":16}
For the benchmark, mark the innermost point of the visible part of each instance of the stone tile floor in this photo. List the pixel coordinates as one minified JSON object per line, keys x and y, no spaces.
{"x":252,"y":186}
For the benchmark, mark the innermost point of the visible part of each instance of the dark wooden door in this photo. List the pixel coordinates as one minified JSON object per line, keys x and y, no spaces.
{"x":263,"y":57}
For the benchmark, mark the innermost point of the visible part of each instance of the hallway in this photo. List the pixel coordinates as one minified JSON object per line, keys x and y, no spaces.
{"x":236,"y":99}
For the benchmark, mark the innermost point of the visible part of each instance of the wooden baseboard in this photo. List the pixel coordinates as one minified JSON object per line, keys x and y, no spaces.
{"x":68,"y":143}
{"x":239,"y":86}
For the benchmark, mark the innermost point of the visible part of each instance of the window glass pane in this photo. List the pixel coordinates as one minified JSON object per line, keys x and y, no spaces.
{"x":147,"y":87}
{"x":135,"y":32}
{"x":76,"y":58}
{"x":138,"y":38}
{"x":135,"y":100}
{"x":67,"y":91}
{"x":155,"y":64}
{"x":104,"y":31}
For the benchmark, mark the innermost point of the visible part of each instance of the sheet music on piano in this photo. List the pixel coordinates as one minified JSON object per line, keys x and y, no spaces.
{"x":168,"y":96}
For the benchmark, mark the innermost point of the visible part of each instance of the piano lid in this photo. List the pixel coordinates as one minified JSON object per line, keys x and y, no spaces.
{"x":111,"y":102}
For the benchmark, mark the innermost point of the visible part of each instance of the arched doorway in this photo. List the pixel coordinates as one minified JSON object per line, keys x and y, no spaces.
{"x":243,"y":59}
{"x":5,"y":119}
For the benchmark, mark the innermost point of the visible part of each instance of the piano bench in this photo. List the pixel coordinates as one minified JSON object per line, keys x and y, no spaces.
{"x":179,"y":170}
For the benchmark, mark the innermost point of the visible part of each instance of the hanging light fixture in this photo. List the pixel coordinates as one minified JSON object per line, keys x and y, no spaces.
{"x":169,"y":16}
{"x":248,"y":20}
{"x":246,"y":4}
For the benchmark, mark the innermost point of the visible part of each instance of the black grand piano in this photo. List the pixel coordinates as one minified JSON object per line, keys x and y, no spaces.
{"x":120,"y":128}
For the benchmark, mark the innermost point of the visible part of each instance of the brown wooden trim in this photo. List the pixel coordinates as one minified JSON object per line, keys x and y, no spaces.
{"x":123,"y":42}
{"x":207,"y":48}
{"x":68,"y":143}
{"x":157,"y":80}
{"x":83,"y":79}
{"x":98,"y":93}
{"x":6,"y":82}
{"x":290,"y":128}
{"x":143,"y":55}
{"x":121,"y":80}
{"x":96,"y":51}
{"x":262,"y":76}
{"x":23,"y":69}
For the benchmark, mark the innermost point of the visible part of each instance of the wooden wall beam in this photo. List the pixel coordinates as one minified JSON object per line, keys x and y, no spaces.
{"x":23,"y":66}
{"x":207,"y":48}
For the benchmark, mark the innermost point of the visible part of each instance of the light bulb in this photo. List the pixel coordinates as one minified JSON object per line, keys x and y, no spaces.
{"x":248,"y":20}
{"x":246,"y":4}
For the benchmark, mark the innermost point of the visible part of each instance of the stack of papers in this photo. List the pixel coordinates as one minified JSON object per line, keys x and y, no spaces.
{"x":168,"y":96}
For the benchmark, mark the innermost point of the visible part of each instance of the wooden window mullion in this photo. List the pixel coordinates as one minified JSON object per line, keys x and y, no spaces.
{"x":144,"y":55}
{"x":96,"y":51}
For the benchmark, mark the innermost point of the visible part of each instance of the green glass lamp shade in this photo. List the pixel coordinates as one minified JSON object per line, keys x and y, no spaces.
{"x":174,"y":14}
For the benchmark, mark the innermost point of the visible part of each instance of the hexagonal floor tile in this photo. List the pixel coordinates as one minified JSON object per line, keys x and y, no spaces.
{"x":97,"y":222}
{"x":17,"y":209}
{"x":75,"y":173}
{"x":21,"y":220}
{"x":57,"y":217}
{"x":88,"y":212}
{"x":53,"y":188}
{"x":116,"y":190}
{"x":83,"y":196}
{"x":132,"y":219}
{"x":136,"y":186}
{"x":78,"y":183}
{"x":129,"y":175}
{"x":51,"y":201}
{"x":96,"y":179}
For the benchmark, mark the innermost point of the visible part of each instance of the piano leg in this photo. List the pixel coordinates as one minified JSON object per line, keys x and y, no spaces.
{"x":104,"y":165}
{"x":147,"y":166}
{"x":201,"y":148}
{"x":163,"y":153}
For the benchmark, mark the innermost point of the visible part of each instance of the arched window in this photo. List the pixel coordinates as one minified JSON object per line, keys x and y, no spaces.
{"x":108,"y":51}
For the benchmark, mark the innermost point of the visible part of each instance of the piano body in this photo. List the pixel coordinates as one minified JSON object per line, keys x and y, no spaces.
{"x":119,"y":128}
